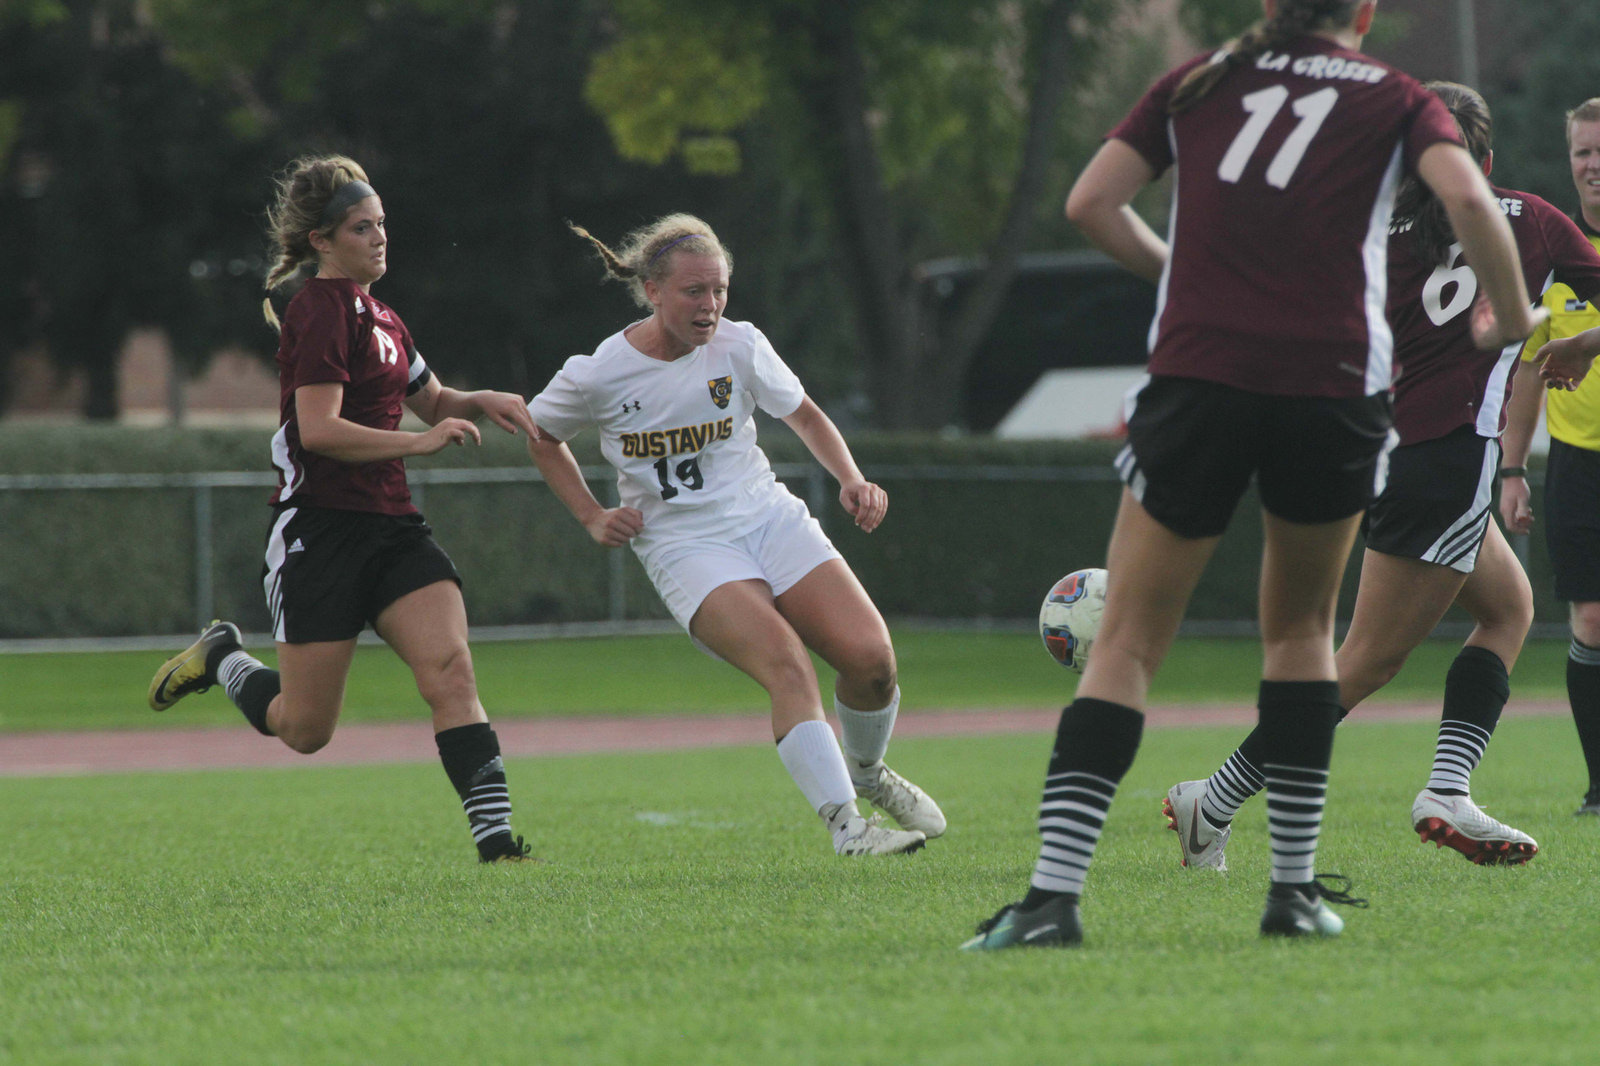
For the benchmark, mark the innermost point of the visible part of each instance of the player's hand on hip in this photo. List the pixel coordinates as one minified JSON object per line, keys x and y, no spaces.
{"x":447,"y":432}
{"x":615,"y":526}
{"x":866,"y":502}
{"x":1490,"y":334}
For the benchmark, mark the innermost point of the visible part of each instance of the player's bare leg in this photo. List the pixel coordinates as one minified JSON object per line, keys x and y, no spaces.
{"x":740,"y":622}
{"x":835,"y":617}
{"x":427,"y":628}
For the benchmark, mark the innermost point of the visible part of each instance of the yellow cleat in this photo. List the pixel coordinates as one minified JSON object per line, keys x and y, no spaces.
{"x":186,"y":671}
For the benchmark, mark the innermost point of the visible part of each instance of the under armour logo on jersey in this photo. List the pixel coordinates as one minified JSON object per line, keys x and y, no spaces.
{"x":630,"y":405}
{"x":721,"y":390}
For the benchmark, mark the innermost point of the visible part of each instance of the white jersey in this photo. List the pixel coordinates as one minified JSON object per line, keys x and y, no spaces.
{"x":679,"y":433}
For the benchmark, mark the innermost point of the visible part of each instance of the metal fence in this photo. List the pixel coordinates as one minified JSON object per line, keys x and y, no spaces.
{"x":214,"y":531}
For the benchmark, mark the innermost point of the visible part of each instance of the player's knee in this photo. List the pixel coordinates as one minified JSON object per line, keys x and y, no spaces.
{"x":1586,"y":623}
{"x":449,"y":681}
{"x":871,"y":669}
{"x":306,"y":740}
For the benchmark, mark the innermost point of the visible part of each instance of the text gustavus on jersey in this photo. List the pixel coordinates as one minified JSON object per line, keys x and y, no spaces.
{"x":658,"y":442}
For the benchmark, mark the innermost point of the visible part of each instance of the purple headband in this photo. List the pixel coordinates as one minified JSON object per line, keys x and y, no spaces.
{"x":662,"y":250}
{"x":345,"y":197}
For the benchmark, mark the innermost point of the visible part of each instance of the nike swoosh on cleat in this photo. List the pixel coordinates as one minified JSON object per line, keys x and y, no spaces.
{"x":1034,"y":934}
{"x":1194,"y":832}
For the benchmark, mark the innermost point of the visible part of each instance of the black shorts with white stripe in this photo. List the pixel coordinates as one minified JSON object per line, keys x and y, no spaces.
{"x":329,"y":573}
{"x":1438,"y":501}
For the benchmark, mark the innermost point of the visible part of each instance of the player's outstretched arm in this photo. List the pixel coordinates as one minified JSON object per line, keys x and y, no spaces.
{"x":866,"y":502}
{"x":433,"y":403}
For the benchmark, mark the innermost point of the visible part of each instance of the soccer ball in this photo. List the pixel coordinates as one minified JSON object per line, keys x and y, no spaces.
{"x":1070,"y":617}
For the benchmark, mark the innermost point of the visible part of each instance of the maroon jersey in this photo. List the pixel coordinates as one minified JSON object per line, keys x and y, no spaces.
{"x":334,"y":332}
{"x":1444,"y":381}
{"x":1285,"y":176}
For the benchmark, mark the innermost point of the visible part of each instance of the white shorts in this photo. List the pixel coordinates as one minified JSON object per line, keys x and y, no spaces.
{"x":784,"y":548}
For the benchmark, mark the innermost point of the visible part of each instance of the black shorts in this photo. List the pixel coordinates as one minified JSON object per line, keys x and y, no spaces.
{"x":1572,"y":521}
{"x":1194,"y":445}
{"x":328,"y":574}
{"x":1437,"y":501}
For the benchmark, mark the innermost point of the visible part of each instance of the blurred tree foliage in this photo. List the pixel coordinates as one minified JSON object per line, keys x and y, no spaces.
{"x":910,"y":131}
{"x":1530,"y":100}
{"x":835,"y":146}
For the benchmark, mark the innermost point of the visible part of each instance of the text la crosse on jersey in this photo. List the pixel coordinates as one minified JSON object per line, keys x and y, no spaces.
{"x":335,"y":333}
{"x":1285,"y":178}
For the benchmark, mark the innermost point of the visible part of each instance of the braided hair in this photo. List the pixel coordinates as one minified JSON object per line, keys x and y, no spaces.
{"x":1295,"y":18}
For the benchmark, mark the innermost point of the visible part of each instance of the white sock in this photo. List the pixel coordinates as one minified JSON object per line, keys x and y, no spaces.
{"x":866,"y":734}
{"x":811,"y":755}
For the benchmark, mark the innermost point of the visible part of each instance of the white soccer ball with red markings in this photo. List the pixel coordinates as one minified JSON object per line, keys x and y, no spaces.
{"x":1069,"y":618}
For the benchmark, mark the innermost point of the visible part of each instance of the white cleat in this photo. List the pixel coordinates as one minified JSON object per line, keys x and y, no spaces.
{"x":855,"y":835}
{"x":907,"y":804}
{"x":1199,"y":840}
{"x":1456,"y":822}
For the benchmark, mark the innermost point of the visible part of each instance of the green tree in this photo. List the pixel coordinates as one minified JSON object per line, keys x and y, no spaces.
{"x":116,"y":205}
{"x":915,"y":130}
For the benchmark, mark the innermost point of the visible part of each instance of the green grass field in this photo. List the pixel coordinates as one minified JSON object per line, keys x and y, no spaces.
{"x":692,"y":912}
{"x":664,"y":674}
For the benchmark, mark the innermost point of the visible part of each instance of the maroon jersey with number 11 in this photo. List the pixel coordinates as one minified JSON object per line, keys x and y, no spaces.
{"x":335,"y":333}
{"x":1285,"y":178}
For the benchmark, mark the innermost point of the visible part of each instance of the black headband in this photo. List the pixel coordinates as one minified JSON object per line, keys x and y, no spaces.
{"x":345,"y":197}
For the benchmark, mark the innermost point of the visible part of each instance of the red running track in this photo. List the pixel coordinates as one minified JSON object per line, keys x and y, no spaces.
{"x":121,"y":751}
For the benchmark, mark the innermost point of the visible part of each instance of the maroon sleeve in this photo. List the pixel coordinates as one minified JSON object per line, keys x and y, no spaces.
{"x":1576,"y":263}
{"x":1145,"y":128}
{"x":320,"y":327}
{"x":1432,"y":125}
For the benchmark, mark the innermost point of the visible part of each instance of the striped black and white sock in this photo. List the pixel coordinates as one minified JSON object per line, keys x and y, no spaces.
{"x":1235,"y":781}
{"x":1296,"y":734}
{"x":1095,"y":744}
{"x":1475,"y":692}
{"x":471,"y":757}
{"x":1583,"y":690}
{"x":250,"y":684}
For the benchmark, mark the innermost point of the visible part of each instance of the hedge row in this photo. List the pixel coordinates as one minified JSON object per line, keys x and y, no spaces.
{"x":121,"y":562}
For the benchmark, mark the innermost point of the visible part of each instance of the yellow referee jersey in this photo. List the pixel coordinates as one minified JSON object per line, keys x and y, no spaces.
{"x":1573,"y":417}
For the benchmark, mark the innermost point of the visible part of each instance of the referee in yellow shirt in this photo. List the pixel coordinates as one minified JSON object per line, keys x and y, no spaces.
{"x":1572,"y":476}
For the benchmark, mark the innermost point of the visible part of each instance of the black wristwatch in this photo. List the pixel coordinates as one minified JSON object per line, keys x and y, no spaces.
{"x":1513,"y":471}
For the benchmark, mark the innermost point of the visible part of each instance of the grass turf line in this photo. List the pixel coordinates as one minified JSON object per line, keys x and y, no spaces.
{"x":692,"y":912}
{"x":664,"y":674}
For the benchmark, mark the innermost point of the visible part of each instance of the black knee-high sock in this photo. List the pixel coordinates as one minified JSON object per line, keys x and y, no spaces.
{"x":1583,"y":691}
{"x":471,"y":757}
{"x":1095,"y":744}
{"x":249,"y":683}
{"x":1475,"y":692}
{"x":1296,"y":736}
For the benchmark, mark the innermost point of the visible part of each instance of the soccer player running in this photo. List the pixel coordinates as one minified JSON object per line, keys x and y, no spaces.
{"x":1572,"y":471}
{"x":1270,"y":358}
{"x":347,"y":547}
{"x":1430,"y":537}
{"x":737,"y":559}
